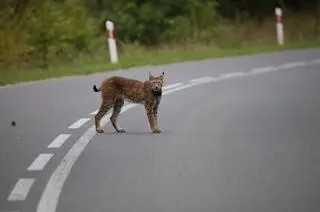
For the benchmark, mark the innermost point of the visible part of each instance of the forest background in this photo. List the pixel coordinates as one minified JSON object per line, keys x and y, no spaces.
{"x":48,"y":38}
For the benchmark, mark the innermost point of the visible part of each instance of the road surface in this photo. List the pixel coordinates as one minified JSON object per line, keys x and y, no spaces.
{"x":239,"y":134}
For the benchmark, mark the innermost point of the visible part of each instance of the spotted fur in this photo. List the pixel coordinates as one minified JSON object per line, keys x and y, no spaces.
{"x":115,"y":90}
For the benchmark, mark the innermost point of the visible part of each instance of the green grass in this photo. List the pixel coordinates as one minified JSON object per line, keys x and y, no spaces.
{"x":155,"y":57}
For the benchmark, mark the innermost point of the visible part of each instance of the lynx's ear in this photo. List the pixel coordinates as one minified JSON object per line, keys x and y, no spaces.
{"x":150,"y":75}
{"x":162,"y":75}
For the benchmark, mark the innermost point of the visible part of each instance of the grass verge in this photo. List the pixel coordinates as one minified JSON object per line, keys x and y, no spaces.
{"x":155,"y":57}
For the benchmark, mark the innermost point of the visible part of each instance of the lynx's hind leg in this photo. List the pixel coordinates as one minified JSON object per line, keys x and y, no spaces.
{"x":115,"y":114}
{"x":104,"y":108}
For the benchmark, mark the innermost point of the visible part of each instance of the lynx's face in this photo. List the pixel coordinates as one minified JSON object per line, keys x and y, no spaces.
{"x":156,"y":84}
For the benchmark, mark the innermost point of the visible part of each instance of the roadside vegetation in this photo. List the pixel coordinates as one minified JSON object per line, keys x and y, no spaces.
{"x":52,"y":38}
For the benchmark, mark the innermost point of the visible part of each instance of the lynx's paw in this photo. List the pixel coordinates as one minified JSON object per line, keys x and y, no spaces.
{"x":99,"y":130}
{"x":121,"y":130}
{"x":156,"y":131}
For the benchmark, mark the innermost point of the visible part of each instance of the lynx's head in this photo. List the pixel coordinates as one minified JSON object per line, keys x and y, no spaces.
{"x":156,"y":83}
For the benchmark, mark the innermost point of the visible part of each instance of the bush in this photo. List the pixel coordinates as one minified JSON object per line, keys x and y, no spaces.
{"x":50,"y":33}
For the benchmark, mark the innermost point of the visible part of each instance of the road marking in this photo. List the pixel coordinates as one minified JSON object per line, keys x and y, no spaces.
{"x":201,"y":80}
{"x":59,"y":141}
{"x":263,"y":69}
{"x":40,"y":162}
{"x":292,"y":65}
{"x":21,"y":189}
{"x":231,"y":75}
{"x":8,"y":211}
{"x":172,"y":86}
{"x":79,"y":123}
{"x":182,"y":87}
{"x":50,"y":196}
{"x":94,"y":112}
{"x":316,"y":61}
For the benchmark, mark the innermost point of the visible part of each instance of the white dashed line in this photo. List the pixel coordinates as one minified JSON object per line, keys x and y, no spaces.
{"x":21,"y":189}
{"x":79,"y":123}
{"x":172,"y":86}
{"x":50,"y":196}
{"x":59,"y":141}
{"x":40,"y":162}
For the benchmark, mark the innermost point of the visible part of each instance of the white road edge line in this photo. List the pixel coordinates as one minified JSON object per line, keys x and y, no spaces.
{"x":8,"y":211}
{"x":231,"y":75}
{"x":172,"y":86}
{"x":40,"y":162}
{"x":79,"y":123}
{"x":59,"y":141}
{"x":21,"y":189}
{"x":292,"y":65}
{"x":263,"y":69}
{"x":94,"y":112}
{"x":316,"y":61}
{"x":201,"y":80}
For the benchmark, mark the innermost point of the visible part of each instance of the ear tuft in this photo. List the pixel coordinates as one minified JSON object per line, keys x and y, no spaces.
{"x":150,"y":75}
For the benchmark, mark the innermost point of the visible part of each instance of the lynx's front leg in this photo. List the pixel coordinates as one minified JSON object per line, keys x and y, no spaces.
{"x":155,"y":113}
{"x":152,"y":110}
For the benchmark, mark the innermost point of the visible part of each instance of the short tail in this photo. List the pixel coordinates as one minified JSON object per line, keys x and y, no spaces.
{"x":95,"y":89}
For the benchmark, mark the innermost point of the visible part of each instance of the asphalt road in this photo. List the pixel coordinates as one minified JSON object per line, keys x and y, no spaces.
{"x":240,"y":142}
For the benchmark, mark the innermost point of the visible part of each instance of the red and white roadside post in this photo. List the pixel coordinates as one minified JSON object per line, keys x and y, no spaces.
{"x":112,"y":42}
{"x":279,"y":26}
